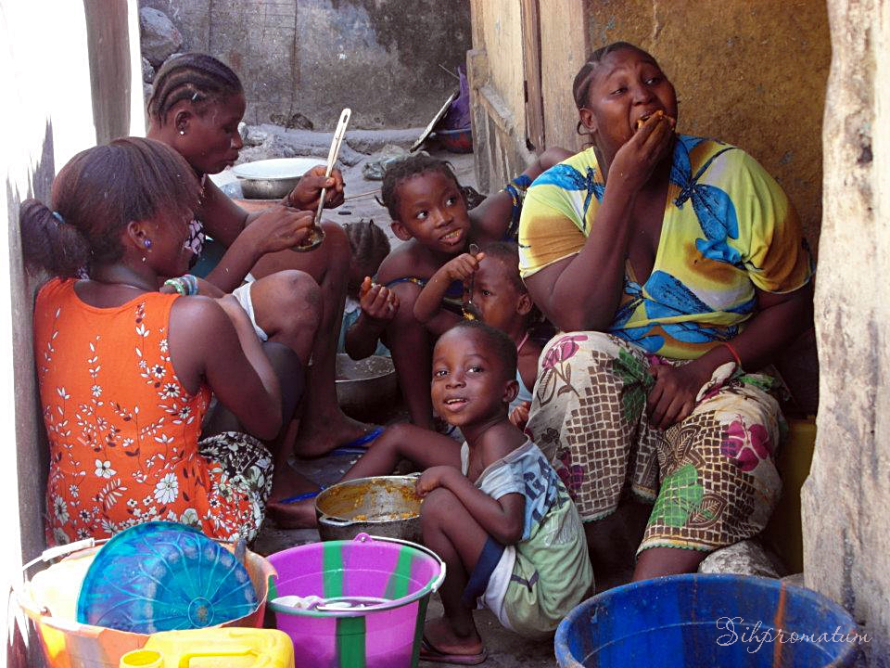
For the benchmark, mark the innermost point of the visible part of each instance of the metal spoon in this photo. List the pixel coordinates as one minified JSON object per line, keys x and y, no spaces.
{"x":470,"y":311}
{"x":316,"y":234}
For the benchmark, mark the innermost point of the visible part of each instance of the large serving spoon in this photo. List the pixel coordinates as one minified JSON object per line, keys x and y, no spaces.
{"x":316,"y":234}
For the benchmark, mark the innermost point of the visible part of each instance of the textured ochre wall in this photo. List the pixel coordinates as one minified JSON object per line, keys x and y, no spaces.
{"x":750,"y":72}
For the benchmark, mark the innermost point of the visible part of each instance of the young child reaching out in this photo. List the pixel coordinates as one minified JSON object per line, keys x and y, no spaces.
{"x":369,"y":246}
{"x":429,"y":213}
{"x":494,"y":508}
{"x":500,"y":299}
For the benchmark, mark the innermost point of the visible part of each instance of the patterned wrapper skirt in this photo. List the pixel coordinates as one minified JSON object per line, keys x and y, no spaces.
{"x":712,"y":477}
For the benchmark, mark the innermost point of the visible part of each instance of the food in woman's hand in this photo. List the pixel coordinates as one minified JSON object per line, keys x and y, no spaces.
{"x":658,"y":113}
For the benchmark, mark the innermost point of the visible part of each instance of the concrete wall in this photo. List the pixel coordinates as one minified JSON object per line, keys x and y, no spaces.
{"x":314,"y":57}
{"x":845,"y":511}
{"x":749,"y":72}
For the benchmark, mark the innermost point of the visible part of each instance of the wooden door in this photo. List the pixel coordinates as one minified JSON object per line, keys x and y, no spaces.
{"x":531,"y":63}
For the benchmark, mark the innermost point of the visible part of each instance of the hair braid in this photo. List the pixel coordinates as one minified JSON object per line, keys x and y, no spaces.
{"x":196,"y":77}
{"x":368,"y":242}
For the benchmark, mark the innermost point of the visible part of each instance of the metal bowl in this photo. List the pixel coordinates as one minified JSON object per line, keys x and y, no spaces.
{"x":271,"y":179}
{"x":365,"y":387}
{"x":380,"y":506}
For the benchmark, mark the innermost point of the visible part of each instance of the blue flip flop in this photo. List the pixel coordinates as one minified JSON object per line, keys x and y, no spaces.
{"x":359,"y":445}
{"x":301,"y":497}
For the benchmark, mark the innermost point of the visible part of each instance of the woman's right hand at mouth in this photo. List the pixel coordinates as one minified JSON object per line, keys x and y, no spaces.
{"x":637,"y":158}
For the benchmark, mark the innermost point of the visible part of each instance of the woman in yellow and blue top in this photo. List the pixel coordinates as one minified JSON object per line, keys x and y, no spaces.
{"x":674,"y":266}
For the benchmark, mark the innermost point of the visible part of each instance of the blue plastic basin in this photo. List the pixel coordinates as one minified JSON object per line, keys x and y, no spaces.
{"x":708,"y":620}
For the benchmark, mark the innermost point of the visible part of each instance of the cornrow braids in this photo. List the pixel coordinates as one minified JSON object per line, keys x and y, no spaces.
{"x":581,"y":84}
{"x":368,"y":242}
{"x":407,"y":168}
{"x":196,"y":77}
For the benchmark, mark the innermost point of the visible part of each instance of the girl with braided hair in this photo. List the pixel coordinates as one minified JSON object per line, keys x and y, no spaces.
{"x":126,"y":372}
{"x":370,"y":246}
{"x":195,"y":108}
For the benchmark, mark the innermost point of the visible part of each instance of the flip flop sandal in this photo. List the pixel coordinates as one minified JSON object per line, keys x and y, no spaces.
{"x":433,"y":655}
{"x":359,"y":445}
{"x":300,"y":497}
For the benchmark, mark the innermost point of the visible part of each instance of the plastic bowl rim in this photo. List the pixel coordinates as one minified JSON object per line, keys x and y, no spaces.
{"x":429,"y":588}
{"x":560,"y":639}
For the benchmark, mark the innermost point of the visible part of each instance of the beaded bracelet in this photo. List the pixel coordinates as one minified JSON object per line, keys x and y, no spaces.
{"x":191,"y":282}
{"x":185,"y":285}
{"x":177,"y":285}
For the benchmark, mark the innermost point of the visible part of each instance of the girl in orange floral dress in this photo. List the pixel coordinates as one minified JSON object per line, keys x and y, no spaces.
{"x":126,"y":372}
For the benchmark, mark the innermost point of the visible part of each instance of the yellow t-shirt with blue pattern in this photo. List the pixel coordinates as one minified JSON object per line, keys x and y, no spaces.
{"x":728,"y":228}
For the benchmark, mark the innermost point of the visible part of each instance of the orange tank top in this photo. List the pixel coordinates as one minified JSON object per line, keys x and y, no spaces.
{"x":123,"y":432}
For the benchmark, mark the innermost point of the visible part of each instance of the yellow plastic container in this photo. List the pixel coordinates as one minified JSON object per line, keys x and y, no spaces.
{"x":214,"y":648}
{"x":784,"y":533}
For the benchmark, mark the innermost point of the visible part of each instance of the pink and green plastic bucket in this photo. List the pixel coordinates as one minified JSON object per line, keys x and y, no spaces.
{"x":384,"y":586}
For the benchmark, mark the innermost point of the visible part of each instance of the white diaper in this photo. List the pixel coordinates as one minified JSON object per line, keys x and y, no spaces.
{"x":242,"y":294}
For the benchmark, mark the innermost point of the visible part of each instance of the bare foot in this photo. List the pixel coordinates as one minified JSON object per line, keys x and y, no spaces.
{"x":298,"y":515}
{"x":319,"y":434}
{"x":287,"y":482}
{"x":441,"y":636}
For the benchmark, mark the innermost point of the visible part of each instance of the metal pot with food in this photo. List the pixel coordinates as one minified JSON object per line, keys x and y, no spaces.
{"x":379,"y":506}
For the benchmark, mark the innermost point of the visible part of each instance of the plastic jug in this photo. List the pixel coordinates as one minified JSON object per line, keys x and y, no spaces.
{"x":214,"y":648}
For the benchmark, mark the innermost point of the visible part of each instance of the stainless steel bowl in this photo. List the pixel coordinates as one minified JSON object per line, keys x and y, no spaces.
{"x":272,"y":179}
{"x":366,"y":387}
{"x":379,"y":506}
{"x":268,"y":188}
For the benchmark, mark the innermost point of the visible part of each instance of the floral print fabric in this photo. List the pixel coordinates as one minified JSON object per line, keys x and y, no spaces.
{"x":123,"y":432}
{"x":712,"y":477}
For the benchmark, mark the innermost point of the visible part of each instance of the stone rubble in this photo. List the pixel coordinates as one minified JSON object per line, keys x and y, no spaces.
{"x":160,"y":38}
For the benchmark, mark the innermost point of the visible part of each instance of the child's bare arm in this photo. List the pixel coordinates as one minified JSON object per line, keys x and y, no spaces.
{"x":361,"y":339}
{"x":422,"y":447}
{"x":429,"y":301}
{"x":492,"y":218}
{"x":379,"y":306}
{"x":503,"y":518}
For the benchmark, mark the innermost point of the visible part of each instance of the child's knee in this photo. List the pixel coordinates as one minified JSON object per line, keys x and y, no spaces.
{"x":299,"y":295}
{"x":396,"y":433}
{"x":437,"y":507}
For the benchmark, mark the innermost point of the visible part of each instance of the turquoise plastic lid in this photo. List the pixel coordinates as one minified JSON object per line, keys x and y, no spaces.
{"x":163,"y":576}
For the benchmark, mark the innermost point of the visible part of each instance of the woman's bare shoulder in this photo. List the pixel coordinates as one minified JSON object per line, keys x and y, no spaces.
{"x":201,"y":314}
